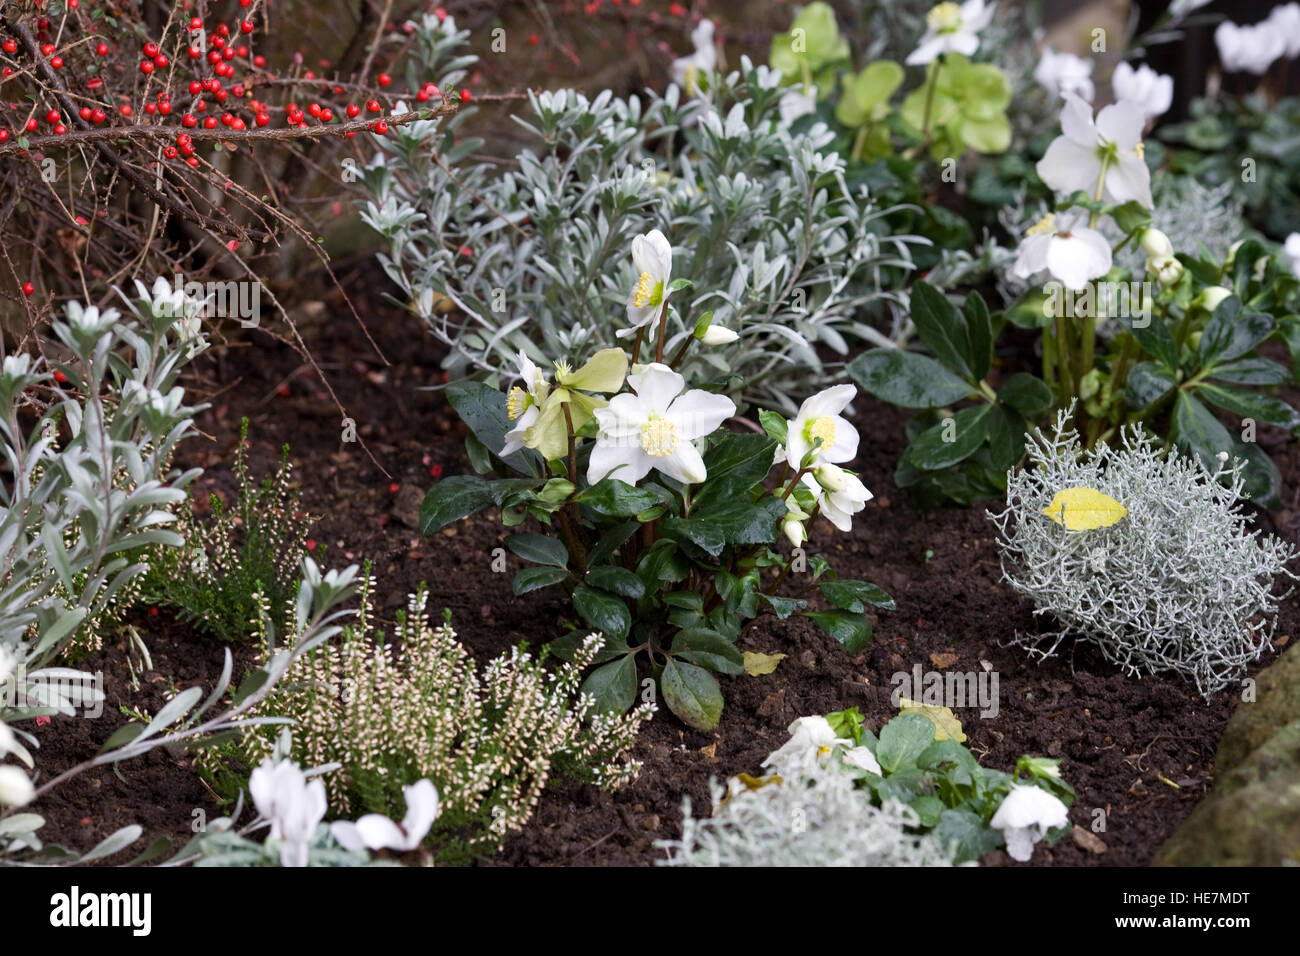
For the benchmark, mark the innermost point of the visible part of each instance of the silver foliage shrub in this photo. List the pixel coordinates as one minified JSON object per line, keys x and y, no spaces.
{"x":532,"y":253}
{"x":819,"y":819}
{"x":1181,"y":583}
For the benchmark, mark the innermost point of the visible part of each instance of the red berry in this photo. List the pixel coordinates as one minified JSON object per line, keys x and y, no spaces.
{"x":146,"y":67}
{"x":261,"y":119}
{"x":151,"y":50}
{"x":218,"y":43}
{"x":161,"y":61}
{"x":28,"y":289}
{"x":223,"y":30}
{"x":150,"y":108}
{"x":533,"y":39}
{"x":98,"y":116}
{"x":373,"y":106}
{"x":47,"y":49}
{"x":56,"y":62}
{"x":209,"y":122}
{"x":677,"y":10}
{"x":383,"y":79}
{"x":393,"y":488}
{"x":238,"y":91}
{"x":195,"y":53}
{"x":237,"y":123}
{"x":436,"y":471}
{"x":165,"y":108}
{"x":464,"y":94}
{"x":84,"y":112}
{"x":380,"y":127}
{"x":422,"y":95}
{"x":11,"y":46}
{"x":169,"y":152}
{"x":245,"y":3}
{"x":196,"y":23}
{"x":314,"y":109}
{"x":4,"y":135}
{"x":125,"y":109}
{"x":326,"y":115}
{"x":101,"y":49}
{"x":192,"y":161}
{"x":59,"y":129}
{"x":52,"y":116}
{"x":246,"y":26}
{"x":31,"y":125}
{"x":259,"y":61}
{"x":94,"y":83}
{"x":352,"y":110}
{"x":241,"y":51}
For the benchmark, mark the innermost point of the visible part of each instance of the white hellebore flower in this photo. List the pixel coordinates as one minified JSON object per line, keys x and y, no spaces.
{"x":655,"y":428}
{"x":1075,"y":159}
{"x":1065,"y":73}
{"x":840,"y":494}
{"x":1065,"y":247}
{"x":294,"y":806}
{"x":523,"y":404}
{"x":819,"y":417}
{"x":15,"y":787}
{"x":951,"y":28}
{"x":792,"y":524}
{"x":1251,"y":49}
{"x":375,"y":831}
{"x":1292,"y":251}
{"x":810,"y":738}
{"x":652,"y":257}
{"x":703,"y":60}
{"x":1153,"y":91}
{"x":718,"y":335}
{"x":1025,"y":816}
{"x":1285,"y":21}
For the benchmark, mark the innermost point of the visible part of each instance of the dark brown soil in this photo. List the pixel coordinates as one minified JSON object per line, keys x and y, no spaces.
{"x":1140,"y":750}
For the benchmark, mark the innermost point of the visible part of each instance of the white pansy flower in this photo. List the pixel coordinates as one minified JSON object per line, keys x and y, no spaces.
{"x":845,"y":496}
{"x":1075,"y":159}
{"x":819,"y":417}
{"x":295,"y":807}
{"x":652,"y":257}
{"x":1285,"y":21}
{"x":1251,"y":49}
{"x":375,"y":831}
{"x":16,"y":787}
{"x":1291,"y":250}
{"x":951,"y":28}
{"x":1025,"y":816}
{"x":810,"y":738}
{"x":655,"y":428}
{"x":863,"y":759}
{"x":703,"y":60}
{"x":1153,"y":91}
{"x":1062,"y":73}
{"x":1064,"y":246}
{"x":523,"y":403}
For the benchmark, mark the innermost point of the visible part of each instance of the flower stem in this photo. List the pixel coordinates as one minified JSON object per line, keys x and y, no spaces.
{"x":663,"y":333}
{"x":636,"y":347}
{"x":1101,"y":187}
{"x":929,"y":96}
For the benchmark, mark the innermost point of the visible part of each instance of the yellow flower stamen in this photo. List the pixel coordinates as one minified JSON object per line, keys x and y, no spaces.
{"x":641,"y":297}
{"x":1046,"y":224}
{"x":658,"y":437}
{"x":516,"y":402}
{"x":944,"y":18}
{"x":823,"y":428}
{"x":1140,"y":149}
{"x":823,"y":751}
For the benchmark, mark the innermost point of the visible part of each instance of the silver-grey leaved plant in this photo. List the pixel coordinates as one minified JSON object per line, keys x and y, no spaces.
{"x":533,"y":252}
{"x":1180,"y":583}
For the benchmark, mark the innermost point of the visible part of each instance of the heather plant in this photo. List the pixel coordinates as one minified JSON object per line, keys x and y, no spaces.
{"x":234,"y":553}
{"x":497,"y":260}
{"x":663,"y":521}
{"x":388,"y":713}
{"x":1151,"y":560}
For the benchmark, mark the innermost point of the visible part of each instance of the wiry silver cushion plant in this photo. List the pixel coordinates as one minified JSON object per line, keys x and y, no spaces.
{"x":1180,"y":583}
{"x":817,"y":819}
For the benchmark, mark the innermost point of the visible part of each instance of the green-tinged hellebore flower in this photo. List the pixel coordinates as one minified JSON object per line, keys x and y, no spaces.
{"x":792,"y":524}
{"x":604,"y":373}
{"x":1165,"y":268}
{"x":655,"y":428}
{"x":1155,"y":243}
{"x":819,"y":417}
{"x":652,"y":256}
{"x":524,"y":403}
{"x":840,"y":494}
{"x":718,"y":335}
{"x":1210,"y":297}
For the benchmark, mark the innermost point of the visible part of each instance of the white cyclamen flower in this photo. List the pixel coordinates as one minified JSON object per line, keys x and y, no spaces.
{"x":951,"y":28}
{"x":1025,"y":816}
{"x":523,"y":404}
{"x":1285,"y":21}
{"x":655,"y":428}
{"x":1074,"y":160}
{"x":15,"y":787}
{"x":652,"y":257}
{"x":1064,"y":246}
{"x":375,"y":831}
{"x":1251,"y":49}
{"x":294,"y":806}
{"x":840,"y":497}
{"x":1153,"y":91}
{"x":810,"y":738}
{"x":1292,"y":251}
{"x":819,"y":417}
{"x":703,"y":60}
{"x":1065,"y":73}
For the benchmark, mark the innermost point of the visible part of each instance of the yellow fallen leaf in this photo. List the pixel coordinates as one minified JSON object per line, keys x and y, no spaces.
{"x":756,"y":665}
{"x":946,"y":724}
{"x":1083,"y":509}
